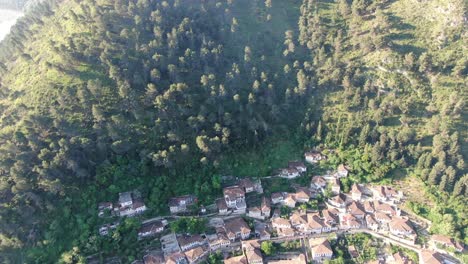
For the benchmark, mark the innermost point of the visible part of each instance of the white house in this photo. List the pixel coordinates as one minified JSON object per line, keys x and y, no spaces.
{"x":298,"y":165}
{"x":313,"y":157}
{"x":322,"y":251}
{"x":289,"y":173}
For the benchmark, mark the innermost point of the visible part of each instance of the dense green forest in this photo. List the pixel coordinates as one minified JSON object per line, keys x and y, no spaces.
{"x":103,"y":96}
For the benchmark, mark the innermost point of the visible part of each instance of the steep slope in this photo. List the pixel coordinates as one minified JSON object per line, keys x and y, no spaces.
{"x":391,"y":80}
{"x":115,"y":95}
{"x":103,"y":96}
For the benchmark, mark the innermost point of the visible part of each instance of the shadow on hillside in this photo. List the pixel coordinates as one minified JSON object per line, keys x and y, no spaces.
{"x":397,"y":23}
{"x":406,"y":48}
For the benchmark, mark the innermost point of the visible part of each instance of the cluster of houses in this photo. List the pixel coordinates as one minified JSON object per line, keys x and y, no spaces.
{"x":372,"y":208}
{"x":187,"y":249}
{"x":294,"y":170}
{"x":233,"y":200}
{"x":129,"y":204}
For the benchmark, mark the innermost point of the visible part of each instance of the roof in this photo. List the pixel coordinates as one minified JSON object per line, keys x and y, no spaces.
{"x":296,"y":164}
{"x":340,"y":199}
{"x":174,"y":257}
{"x":236,"y":260}
{"x":384,"y":207}
{"x":368,"y":206}
{"x":430,"y":257}
{"x":312,"y":154}
{"x":319,"y":180}
{"x":298,"y":217}
{"x":285,"y":231}
{"x":176,"y":201}
{"x":187,"y":240}
{"x":323,"y":248}
{"x":356,"y":189}
{"x":254,"y":256}
{"x":300,"y":259}
{"x":221,"y":204}
{"x":356,"y":209}
{"x":448,"y":241}
{"x":138,"y":204}
{"x":289,"y":170}
{"x":342,"y":168}
{"x":255,"y":209}
{"x":277,"y":195}
{"x":125,"y":197}
{"x":236,"y":225}
{"x":315,"y":222}
{"x":151,"y":227}
{"x":370,"y":220}
{"x":194,"y":253}
{"x":250,"y":244}
{"x":246,"y":183}
{"x":266,"y":204}
{"x":280,"y":221}
{"x":381,"y":216}
{"x":154,"y":258}
{"x":401,"y":224}
{"x":328,"y":215}
{"x":290,"y":198}
{"x":233,"y":192}
{"x":302,"y":193}
{"x":103,"y":205}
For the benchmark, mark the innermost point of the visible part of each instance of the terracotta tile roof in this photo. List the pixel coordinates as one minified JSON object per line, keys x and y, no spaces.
{"x":368,"y":207}
{"x":194,"y":254}
{"x":356,"y":209}
{"x":401,"y":224}
{"x":323,"y":248}
{"x":221,"y":204}
{"x":154,"y":258}
{"x":174,"y":258}
{"x":447,"y":241}
{"x":285,"y":232}
{"x":187,"y":240}
{"x":298,"y":218}
{"x":250,"y":244}
{"x":329,"y":216}
{"x":254,"y":256}
{"x":302,"y":193}
{"x":153,"y":227}
{"x":233,"y":192}
{"x":315,"y":222}
{"x":319,"y":181}
{"x":356,"y":189}
{"x":236,"y":225}
{"x":382,"y":217}
{"x":280,"y":221}
{"x":266,"y":204}
{"x":370,"y":220}
{"x":430,"y":257}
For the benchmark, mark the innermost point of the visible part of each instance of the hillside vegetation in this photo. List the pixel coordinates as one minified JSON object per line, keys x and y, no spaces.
{"x":103,"y":96}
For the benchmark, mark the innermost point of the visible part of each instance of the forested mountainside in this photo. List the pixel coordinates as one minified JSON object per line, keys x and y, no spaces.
{"x":103,"y":96}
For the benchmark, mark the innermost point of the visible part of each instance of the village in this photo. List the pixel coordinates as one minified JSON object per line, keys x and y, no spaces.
{"x":250,"y":214}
